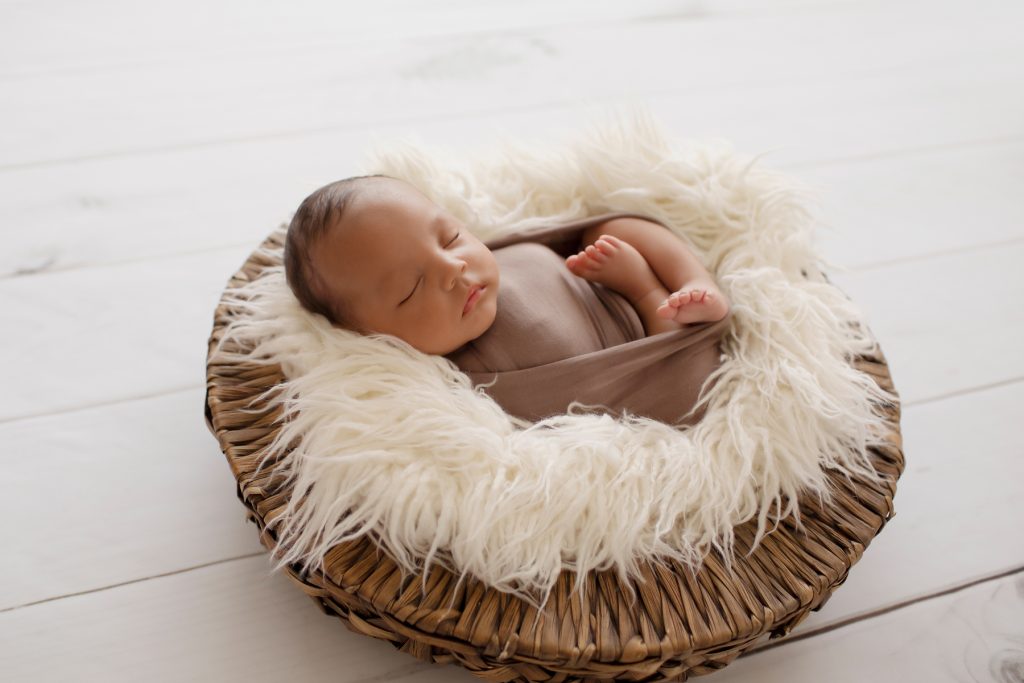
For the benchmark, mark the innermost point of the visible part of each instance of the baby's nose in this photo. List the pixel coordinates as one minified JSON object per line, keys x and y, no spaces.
{"x":456,"y":273}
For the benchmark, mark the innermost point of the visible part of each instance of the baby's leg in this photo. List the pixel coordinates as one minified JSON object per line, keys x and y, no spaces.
{"x":616,"y":264}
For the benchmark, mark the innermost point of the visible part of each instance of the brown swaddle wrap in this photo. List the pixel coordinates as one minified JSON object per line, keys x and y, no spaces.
{"x":559,"y":338}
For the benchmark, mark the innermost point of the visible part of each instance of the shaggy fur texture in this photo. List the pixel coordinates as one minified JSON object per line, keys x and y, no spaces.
{"x":398,"y":444}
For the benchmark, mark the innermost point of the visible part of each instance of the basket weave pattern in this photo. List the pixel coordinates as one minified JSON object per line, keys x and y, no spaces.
{"x":681,"y":624}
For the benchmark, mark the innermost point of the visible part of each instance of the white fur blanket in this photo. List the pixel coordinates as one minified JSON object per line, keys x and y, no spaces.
{"x":398,"y":443}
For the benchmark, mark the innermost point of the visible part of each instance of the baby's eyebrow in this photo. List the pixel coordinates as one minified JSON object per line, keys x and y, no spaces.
{"x":438,"y":218}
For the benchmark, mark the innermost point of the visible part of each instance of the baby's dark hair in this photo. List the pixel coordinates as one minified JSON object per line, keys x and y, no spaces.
{"x":312,"y":219}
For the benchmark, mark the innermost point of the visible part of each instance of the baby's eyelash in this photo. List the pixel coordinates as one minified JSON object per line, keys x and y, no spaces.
{"x":410,"y":293}
{"x":456,"y":237}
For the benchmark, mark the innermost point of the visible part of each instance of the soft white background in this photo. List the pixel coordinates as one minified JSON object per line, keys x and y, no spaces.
{"x":146,"y":148}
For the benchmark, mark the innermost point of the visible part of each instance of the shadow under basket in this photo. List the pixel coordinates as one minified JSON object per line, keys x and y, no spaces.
{"x":681,"y":623}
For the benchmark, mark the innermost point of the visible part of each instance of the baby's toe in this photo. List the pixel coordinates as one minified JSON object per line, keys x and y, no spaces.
{"x":606,"y":245}
{"x":577,"y":263}
{"x":666,"y":310}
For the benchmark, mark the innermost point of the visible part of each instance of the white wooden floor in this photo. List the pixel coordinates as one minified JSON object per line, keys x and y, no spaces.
{"x":146,"y":148}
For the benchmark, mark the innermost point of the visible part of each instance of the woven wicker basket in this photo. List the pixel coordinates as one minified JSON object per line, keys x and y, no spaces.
{"x":681,"y":624}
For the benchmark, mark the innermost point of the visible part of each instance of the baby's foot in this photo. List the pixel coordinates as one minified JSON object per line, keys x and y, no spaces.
{"x":695,"y":302}
{"x":617,"y":264}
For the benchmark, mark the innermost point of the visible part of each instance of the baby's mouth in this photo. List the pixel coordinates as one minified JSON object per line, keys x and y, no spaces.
{"x":475,"y":293}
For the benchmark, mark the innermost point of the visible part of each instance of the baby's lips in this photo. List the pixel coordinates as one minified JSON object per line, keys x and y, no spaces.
{"x":471,"y":299}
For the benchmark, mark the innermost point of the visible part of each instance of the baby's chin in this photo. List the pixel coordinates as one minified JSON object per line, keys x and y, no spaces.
{"x":488,"y":316}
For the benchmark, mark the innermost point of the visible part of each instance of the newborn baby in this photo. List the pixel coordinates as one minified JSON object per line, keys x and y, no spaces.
{"x":374,"y":255}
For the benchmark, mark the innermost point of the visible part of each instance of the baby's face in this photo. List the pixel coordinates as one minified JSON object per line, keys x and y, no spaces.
{"x":405,"y":266}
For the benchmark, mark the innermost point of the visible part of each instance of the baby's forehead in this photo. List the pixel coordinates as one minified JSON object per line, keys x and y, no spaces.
{"x":355,"y":255}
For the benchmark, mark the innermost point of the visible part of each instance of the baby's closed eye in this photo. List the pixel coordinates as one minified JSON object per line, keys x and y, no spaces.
{"x":410,"y":293}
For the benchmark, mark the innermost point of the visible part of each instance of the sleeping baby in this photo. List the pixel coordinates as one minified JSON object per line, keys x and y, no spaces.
{"x":375,"y":255}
